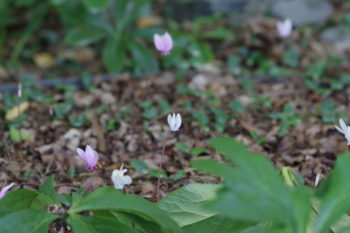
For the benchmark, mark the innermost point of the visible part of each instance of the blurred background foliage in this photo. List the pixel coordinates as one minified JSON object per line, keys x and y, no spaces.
{"x":115,"y":36}
{"x":119,"y":31}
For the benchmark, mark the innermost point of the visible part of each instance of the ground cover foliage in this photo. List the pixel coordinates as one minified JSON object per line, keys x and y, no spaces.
{"x":278,"y":97}
{"x":252,"y":198}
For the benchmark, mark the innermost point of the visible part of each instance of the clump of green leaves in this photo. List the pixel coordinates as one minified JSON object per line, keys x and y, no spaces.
{"x":253,"y":197}
{"x":286,"y":118}
{"x":254,"y":193}
{"x":320,"y":78}
{"x":193,"y":49}
{"x":149,"y":109}
{"x":77,"y":120}
{"x":26,"y":210}
{"x":16,"y":135}
{"x":328,"y":112}
{"x":192,"y":151}
{"x":114,"y":23}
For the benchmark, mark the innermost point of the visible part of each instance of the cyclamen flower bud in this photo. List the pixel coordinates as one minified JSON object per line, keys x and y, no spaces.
{"x":19,"y":90}
{"x":5,"y":189}
{"x":174,"y":121}
{"x":89,"y":156}
{"x":284,"y":28}
{"x":119,"y":179}
{"x":163,"y":43}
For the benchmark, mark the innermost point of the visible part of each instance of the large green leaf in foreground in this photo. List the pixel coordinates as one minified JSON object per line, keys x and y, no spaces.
{"x":108,"y":198}
{"x":23,"y":199}
{"x":94,"y":224}
{"x":334,"y":197}
{"x":187,"y":207}
{"x":253,"y":190}
{"x":26,"y":221}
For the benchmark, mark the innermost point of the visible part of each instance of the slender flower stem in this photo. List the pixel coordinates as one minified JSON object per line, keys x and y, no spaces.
{"x":19,"y":115}
{"x":160,"y":169}
{"x":19,"y":94}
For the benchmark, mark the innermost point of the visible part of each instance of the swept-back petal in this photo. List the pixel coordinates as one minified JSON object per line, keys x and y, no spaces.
{"x":126,"y":180}
{"x":158,"y":42}
{"x":169,"y":119}
{"x":178,"y":121}
{"x":81,"y":153}
{"x":5,"y":189}
{"x":339,"y":129}
{"x":342,"y":124}
{"x":168,"y":41}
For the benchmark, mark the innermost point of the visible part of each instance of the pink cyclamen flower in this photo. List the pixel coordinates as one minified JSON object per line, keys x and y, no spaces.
{"x":89,"y":156}
{"x":284,"y":28}
{"x":5,"y":189}
{"x":164,"y":43}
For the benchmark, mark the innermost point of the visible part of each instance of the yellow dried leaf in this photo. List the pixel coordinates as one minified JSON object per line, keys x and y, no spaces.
{"x":147,"y":21}
{"x":16,"y":111}
{"x":3,"y":72}
{"x":44,"y":60}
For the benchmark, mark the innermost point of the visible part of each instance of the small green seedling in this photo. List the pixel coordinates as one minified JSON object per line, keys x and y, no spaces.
{"x":140,"y":166}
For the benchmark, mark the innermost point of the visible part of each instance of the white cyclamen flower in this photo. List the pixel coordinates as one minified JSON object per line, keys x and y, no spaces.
{"x":119,"y":179}
{"x":174,"y":121}
{"x":344,"y":129}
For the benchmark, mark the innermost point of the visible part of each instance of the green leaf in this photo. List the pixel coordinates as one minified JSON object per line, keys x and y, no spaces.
{"x":202,"y":118}
{"x":120,"y":10}
{"x":26,"y":221}
{"x":342,"y":224}
{"x":220,"y":118}
{"x":198,"y":151}
{"x":328,"y":112}
{"x":150,"y":113}
{"x":137,"y":222}
{"x":217,"y":224}
{"x":84,"y":36}
{"x":127,"y":13}
{"x":333,"y":194}
{"x":23,"y":199}
{"x":17,"y":136}
{"x":185,"y":205}
{"x":254,"y":189}
{"x":231,"y":149}
{"x":182,"y":147}
{"x":77,"y":121}
{"x":96,"y":4}
{"x":108,"y":198}
{"x":345,"y":230}
{"x":179,"y":175}
{"x":57,"y":2}
{"x":94,"y":224}
{"x":219,"y":33}
{"x":48,"y":189}
{"x":236,"y":106}
{"x":140,"y":166}
{"x":268,"y":229}
{"x":164,"y":106}
{"x":114,"y":55}
{"x":144,"y":59}
{"x":158,"y":173}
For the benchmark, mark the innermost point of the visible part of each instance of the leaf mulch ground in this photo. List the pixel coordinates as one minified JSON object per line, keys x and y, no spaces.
{"x":309,"y":147}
